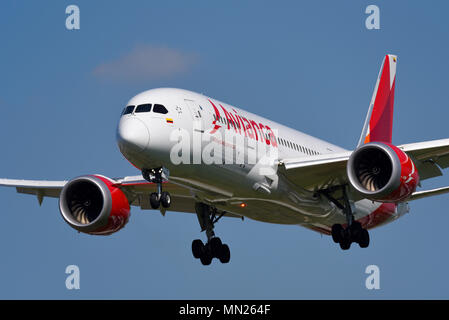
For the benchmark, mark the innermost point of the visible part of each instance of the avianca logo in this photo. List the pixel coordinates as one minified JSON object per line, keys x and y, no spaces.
{"x":250,"y":128}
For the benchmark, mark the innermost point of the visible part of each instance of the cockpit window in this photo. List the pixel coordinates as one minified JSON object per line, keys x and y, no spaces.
{"x":159,"y":108}
{"x":143,"y":108}
{"x":128,"y":110}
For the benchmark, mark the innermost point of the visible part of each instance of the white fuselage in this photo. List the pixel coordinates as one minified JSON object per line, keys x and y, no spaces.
{"x":252,"y":187}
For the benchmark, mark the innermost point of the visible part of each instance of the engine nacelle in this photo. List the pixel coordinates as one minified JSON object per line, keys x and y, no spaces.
{"x":93,"y":205}
{"x":382,"y":172}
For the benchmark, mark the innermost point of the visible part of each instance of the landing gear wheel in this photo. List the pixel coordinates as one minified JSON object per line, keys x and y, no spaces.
{"x":346,"y":239}
{"x":364,"y":239}
{"x":215,"y":245}
{"x":165,"y":199}
{"x":158,"y":176}
{"x":197,"y":248}
{"x":337,"y":233}
{"x":225,"y":254}
{"x":356,"y":231}
{"x":154,"y":200}
{"x":345,"y":244}
{"x":214,"y":248}
{"x":206,"y":258}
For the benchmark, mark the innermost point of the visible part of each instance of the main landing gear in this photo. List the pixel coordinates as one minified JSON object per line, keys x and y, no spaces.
{"x":354,"y":232}
{"x":214,"y":248}
{"x":157,"y":176}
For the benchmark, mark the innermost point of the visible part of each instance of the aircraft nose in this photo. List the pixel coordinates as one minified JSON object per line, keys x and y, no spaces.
{"x":132,"y":133}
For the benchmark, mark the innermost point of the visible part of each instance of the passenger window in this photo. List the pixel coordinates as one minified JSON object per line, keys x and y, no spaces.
{"x":143,"y":108}
{"x":159,"y":108}
{"x":128,"y":110}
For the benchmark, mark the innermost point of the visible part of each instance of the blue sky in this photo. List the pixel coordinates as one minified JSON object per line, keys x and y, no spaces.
{"x":311,"y":65}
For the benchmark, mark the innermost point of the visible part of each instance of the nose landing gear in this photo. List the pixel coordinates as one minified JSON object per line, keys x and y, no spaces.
{"x":158,"y":176}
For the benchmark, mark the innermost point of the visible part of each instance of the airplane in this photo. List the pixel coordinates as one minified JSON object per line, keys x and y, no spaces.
{"x":199,"y":155}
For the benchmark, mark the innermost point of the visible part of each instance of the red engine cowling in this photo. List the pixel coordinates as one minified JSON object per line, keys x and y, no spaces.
{"x":382,"y":172}
{"x":93,"y":205}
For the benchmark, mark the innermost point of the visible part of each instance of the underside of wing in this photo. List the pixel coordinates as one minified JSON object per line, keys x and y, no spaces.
{"x":429,"y":156}
{"x":40,"y":188}
{"x":320,"y":172}
{"x":316,"y":172}
{"x":138,"y":192}
{"x":136,"y":189}
{"x":428,"y":193}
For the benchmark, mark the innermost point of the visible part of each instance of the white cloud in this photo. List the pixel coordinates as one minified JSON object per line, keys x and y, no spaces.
{"x":146,"y":62}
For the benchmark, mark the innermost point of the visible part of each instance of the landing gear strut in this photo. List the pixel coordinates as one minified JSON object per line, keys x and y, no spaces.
{"x":157,"y":176}
{"x":354,"y":232}
{"x":214,"y":248}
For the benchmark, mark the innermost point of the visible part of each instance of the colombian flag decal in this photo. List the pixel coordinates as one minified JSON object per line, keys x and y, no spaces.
{"x":169,"y":120}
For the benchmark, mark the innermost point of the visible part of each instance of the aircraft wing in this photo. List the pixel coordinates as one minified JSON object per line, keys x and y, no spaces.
{"x":136,"y":189}
{"x":317,"y":172}
{"x":428,"y":193}
{"x":429,"y":156}
{"x":323,"y":171}
{"x":40,"y":188}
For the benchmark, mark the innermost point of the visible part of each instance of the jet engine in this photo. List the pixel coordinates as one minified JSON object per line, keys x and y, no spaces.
{"x":382,"y":172}
{"x":93,"y":204}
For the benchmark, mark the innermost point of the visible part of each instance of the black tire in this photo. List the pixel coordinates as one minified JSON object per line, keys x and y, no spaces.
{"x":345,"y":244}
{"x":225,"y":254}
{"x":154,"y":200}
{"x":356,"y":226}
{"x":364,"y":239}
{"x":346,"y":239}
{"x":215,"y":246}
{"x":165,"y":199}
{"x":206,"y":258}
{"x":337,"y":233}
{"x":356,"y":231}
{"x":197,"y":248}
